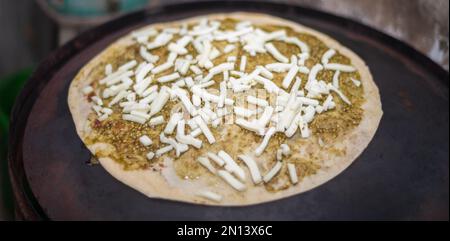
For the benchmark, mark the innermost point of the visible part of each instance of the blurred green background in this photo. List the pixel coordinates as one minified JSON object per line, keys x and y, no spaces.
{"x":33,"y":28}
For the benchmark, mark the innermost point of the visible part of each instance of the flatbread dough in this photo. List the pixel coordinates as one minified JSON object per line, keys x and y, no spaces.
{"x":168,"y":185}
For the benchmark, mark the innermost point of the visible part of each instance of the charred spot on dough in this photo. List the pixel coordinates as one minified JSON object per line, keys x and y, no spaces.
{"x":228,"y":24}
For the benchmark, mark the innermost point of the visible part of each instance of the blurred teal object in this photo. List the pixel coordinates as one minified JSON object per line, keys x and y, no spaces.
{"x":93,"y":8}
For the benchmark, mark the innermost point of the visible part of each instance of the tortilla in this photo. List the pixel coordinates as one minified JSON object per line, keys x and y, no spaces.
{"x":163,"y":180}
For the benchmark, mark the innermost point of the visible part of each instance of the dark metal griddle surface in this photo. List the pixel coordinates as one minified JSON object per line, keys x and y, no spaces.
{"x":402,"y":175}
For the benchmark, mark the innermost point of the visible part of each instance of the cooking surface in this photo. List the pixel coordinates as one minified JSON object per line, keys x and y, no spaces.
{"x":403,"y":174}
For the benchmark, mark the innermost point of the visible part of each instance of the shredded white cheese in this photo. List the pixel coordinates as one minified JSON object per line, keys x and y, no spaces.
{"x":229,"y":48}
{"x":208,"y":134}
{"x":160,"y":40}
{"x":163,"y":67}
{"x":97,"y":100}
{"x":186,"y":102}
{"x":145,"y":140}
{"x":205,"y":162}
{"x":87,"y":90}
{"x":279,"y":67}
{"x":186,"y":139}
{"x":257,"y":101}
{"x":196,"y":132}
{"x":259,"y":150}
{"x":231,"y":165}
{"x":163,"y":150}
{"x":304,"y":129}
{"x":327,"y":56}
{"x":134,"y":118}
{"x":219,"y":161}
{"x":210,"y":196}
{"x":275,"y":53}
{"x":108,"y":69}
{"x":285,"y":149}
{"x":265,"y":72}
{"x":147,"y":55}
{"x":189,"y":83}
{"x":243,"y":63}
{"x":243,"y":112}
{"x":266,"y":116}
{"x":340,"y":67}
{"x":251,"y":126}
{"x":343,"y":97}
{"x":156,"y":121}
{"x":356,"y":82}
{"x":128,"y":65}
{"x":150,"y":155}
{"x":168,"y":78}
{"x":140,"y":113}
{"x":336,"y":79}
{"x":160,"y":101}
{"x":290,"y":76}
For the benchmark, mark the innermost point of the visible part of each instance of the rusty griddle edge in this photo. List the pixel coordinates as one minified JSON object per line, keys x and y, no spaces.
{"x":27,"y":205}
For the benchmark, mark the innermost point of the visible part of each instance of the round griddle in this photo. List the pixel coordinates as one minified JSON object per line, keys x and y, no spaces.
{"x":402,"y":175}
